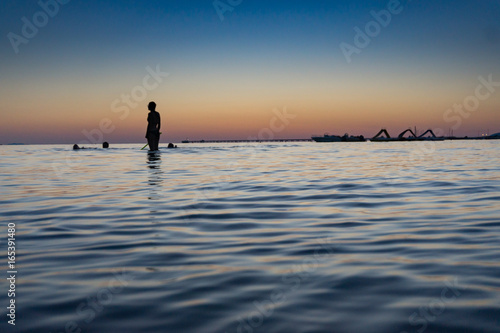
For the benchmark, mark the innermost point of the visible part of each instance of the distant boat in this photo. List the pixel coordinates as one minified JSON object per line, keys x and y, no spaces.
{"x":185,"y":141}
{"x":337,"y":138}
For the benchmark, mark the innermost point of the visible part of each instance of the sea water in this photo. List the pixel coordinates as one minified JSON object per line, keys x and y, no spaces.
{"x":254,"y":237}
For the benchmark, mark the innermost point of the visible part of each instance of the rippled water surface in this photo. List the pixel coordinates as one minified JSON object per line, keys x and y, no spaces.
{"x":286,"y":237}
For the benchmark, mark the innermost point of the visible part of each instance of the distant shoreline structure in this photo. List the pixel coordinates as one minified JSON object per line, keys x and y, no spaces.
{"x":367,"y":140}
{"x":330,"y":138}
{"x":426,"y":136}
{"x":346,"y":138}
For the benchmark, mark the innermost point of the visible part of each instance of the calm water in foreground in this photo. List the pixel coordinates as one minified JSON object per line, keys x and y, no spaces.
{"x":288,"y":237}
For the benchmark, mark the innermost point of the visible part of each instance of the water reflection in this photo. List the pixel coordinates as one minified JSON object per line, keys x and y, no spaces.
{"x":300,"y":238}
{"x":155,"y":178}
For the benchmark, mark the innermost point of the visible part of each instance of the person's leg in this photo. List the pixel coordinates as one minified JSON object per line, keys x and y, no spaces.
{"x":156,"y":141}
{"x":151,"y":142}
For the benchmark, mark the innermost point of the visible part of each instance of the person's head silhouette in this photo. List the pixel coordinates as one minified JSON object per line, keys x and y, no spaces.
{"x":152,"y":106}
{"x":105,"y":145}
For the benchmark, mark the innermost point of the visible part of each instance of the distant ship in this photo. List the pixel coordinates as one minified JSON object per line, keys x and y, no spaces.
{"x":337,"y":138}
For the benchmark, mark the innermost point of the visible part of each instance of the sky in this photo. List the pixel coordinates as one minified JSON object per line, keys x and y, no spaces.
{"x":76,"y":71}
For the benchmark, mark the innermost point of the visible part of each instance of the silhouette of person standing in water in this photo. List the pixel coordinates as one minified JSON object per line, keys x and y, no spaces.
{"x":154,"y":125}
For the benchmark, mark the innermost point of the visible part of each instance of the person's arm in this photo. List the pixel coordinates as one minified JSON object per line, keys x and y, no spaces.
{"x":159,"y":123}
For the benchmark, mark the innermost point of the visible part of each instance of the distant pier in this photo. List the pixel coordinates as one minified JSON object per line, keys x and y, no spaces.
{"x":381,"y":136}
{"x":426,"y":136}
{"x":249,"y":140}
